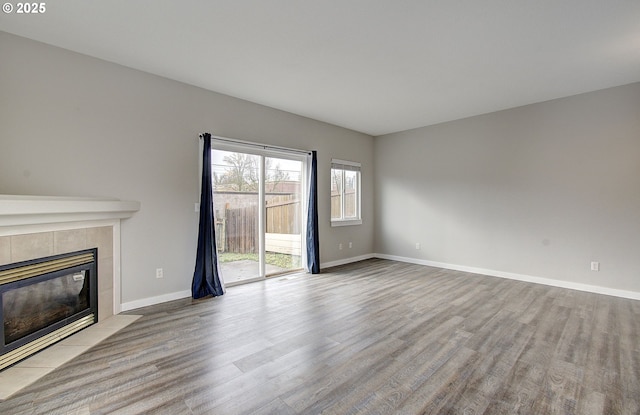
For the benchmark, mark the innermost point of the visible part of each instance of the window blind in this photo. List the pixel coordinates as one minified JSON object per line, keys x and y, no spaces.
{"x":345,"y":165}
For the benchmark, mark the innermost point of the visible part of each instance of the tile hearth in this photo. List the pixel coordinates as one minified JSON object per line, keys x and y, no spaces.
{"x":33,"y":368}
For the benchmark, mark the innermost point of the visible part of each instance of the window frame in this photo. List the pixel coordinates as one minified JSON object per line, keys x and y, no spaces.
{"x":344,"y":166}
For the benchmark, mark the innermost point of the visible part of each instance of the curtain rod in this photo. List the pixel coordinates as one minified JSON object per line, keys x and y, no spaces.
{"x":262,"y":146}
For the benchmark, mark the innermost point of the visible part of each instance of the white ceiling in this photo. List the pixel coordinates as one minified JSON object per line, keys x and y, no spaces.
{"x":374,"y":66}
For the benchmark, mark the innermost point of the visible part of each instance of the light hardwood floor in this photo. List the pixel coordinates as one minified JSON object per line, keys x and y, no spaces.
{"x":374,"y":337}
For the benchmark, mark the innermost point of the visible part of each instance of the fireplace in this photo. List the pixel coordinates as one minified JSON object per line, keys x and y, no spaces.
{"x":42,"y":301}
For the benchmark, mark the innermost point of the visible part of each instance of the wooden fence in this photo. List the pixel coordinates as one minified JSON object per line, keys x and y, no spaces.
{"x":349,"y":204}
{"x":237,"y":228}
{"x":283,"y":216}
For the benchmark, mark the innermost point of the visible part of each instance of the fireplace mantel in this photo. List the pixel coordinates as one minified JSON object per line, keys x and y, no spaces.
{"x":38,"y":226}
{"x":17,"y":210}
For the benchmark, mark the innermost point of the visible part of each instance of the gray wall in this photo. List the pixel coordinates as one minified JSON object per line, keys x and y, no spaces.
{"x":540,"y":190}
{"x":71,"y":125}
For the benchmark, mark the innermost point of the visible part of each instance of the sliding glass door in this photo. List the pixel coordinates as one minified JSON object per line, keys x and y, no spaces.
{"x":236,"y":207}
{"x":258,"y":203}
{"x":283,"y":219}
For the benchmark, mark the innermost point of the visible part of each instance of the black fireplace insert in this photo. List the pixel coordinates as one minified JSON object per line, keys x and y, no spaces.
{"x":44,"y":300}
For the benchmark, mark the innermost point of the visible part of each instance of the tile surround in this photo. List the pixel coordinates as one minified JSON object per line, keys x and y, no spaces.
{"x":5,"y":250}
{"x":69,"y":241}
{"x":28,"y":246}
{"x":31,"y":246}
{"x":102,"y":237}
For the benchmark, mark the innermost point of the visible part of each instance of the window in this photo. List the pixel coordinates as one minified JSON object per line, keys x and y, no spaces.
{"x":345,"y":193}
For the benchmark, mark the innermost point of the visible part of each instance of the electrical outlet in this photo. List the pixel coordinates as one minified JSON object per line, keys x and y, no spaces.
{"x":417,"y":245}
{"x":595,"y":266}
{"x":159,"y":273}
{"x":340,"y":246}
{"x":350,"y":244}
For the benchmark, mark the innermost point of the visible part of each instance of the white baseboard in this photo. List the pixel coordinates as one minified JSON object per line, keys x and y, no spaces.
{"x":346,"y":261}
{"x":519,"y":277}
{"x":144,"y":302}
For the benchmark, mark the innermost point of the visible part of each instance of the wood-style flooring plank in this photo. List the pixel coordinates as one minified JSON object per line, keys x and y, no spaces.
{"x":372,"y":337}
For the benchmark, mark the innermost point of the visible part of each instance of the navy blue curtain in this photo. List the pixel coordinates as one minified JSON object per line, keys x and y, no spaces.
{"x":313,"y":243}
{"x":206,"y":277}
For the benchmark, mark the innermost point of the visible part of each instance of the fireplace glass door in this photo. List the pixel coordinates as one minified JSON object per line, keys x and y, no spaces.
{"x":29,"y":308}
{"x":45,"y":300}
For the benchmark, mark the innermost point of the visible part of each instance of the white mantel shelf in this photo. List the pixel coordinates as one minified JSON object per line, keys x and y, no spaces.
{"x":18,"y":210}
